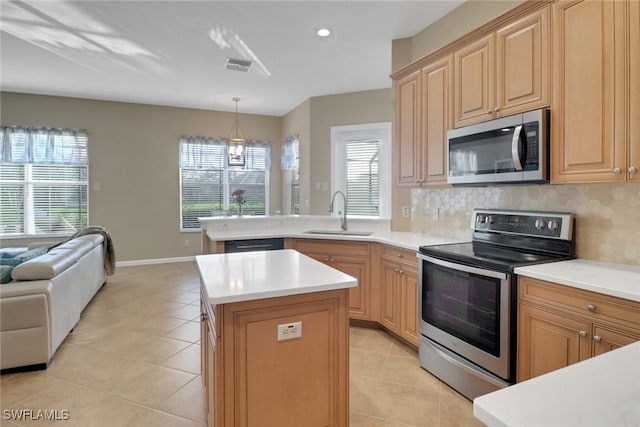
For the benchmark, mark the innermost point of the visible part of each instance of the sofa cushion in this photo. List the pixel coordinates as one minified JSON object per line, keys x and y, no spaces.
{"x":5,"y":273}
{"x":48,"y":265}
{"x":25,"y":256}
{"x":79,"y":245}
{"x":11,"y":252}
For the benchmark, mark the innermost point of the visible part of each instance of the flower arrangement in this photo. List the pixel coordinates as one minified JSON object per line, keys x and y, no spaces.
{"x":238,"y":195}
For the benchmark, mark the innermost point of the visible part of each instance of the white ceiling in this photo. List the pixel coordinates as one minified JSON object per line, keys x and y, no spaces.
{"x":173,"y":52}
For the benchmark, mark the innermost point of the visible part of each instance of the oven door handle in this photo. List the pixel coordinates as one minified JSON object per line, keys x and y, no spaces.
{"x":464,"y":268}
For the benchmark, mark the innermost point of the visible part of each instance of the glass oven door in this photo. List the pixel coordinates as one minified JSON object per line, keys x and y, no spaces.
{"x":467,"y":310}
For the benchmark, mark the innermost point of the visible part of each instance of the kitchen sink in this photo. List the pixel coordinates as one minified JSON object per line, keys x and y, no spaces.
{"x":340,"y":232}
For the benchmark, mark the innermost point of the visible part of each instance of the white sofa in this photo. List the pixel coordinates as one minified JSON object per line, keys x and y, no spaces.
{"x":44,"y":301}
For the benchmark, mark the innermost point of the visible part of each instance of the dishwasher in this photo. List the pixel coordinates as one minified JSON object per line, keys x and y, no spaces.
{"x":250,"y":245}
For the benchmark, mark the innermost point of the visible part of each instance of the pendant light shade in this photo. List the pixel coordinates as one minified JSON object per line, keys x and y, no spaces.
{"x":236,"y":142}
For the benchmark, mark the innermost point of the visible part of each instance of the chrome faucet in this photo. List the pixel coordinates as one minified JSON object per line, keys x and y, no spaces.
{"x":343,"y":218}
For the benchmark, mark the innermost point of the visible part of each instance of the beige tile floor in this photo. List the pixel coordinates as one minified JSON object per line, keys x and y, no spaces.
{"x":134,"y":360}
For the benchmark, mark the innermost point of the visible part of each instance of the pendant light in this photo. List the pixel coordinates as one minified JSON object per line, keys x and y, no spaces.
{"x":236,"y":143}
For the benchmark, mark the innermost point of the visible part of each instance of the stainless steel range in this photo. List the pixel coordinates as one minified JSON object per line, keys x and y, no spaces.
{"x":468,"y":295}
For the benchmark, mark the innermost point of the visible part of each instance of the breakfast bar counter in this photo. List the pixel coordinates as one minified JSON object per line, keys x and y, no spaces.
{"x":274,"y":339}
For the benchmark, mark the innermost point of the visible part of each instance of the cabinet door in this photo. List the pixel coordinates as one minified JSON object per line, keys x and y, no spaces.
{"x":359,"y":295}
{"x":607,"y":339}
{"x":210,"y":379}
{"x":522,"y":69}
{"x":437,"y":85}
{"x":409,"y":308}
{"x":474,"y":85}
{"x":634,"y":92}
{"x":390,"y":297}
{"x":204,"y":350}
{"x":408,"y":129}
{"x":585,"y":144}
{"x":548,"y":341}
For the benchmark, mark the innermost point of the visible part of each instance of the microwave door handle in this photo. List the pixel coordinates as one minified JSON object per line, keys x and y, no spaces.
{"x":515,"y":148}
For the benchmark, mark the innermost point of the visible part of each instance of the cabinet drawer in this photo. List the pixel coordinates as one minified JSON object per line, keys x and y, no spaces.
{"x":331,"y":246}
{"x":400,"y":255}
{"x":597,"y":306}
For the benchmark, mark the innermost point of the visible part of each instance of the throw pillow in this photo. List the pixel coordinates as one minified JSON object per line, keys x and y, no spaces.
{"x":11,"y":252}
{"x":25,"y":256}
{"x":5,"y":273}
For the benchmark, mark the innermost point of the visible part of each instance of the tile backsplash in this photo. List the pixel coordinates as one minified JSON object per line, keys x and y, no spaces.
{"x":607,"y":224}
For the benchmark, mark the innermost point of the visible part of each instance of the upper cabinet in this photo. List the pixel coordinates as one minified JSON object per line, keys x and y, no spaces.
{"x":595,"y":91}
{"x":423,"y":116}
{"x":407,"y":126}
{"x":504,"y":72}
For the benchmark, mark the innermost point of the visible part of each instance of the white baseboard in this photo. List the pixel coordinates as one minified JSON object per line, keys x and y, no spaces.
{"x":154,"y":261}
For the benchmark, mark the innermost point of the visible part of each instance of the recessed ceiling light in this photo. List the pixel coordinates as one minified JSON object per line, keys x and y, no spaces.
{"x":323,"y":32}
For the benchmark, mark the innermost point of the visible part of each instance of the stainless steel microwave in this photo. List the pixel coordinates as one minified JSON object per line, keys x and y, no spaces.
{"x":513,"y":149}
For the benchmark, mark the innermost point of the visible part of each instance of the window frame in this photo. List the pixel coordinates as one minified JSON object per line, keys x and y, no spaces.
{"x":29,"y":184}
{"x":342,"y":134}
{"x":288,"y":182}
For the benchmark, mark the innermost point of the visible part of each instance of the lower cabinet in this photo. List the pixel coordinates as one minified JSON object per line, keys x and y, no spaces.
{"x":253,"y":379}
{"x":352,"y":258}
{"x":399,"y":293}
{"x":560,"y":325}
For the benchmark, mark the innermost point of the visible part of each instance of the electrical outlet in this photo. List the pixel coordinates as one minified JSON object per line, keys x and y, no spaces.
{"x":289,"y":331}
{"x":187,"y":243}
{"x":405,"y":211}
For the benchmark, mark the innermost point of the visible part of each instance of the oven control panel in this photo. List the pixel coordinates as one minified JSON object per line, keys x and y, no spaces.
{"x":540,"y":224}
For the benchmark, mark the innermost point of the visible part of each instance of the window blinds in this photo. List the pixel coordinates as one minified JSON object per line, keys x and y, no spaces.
{"x":362,"y":176}
{"x":43,"y":181}
{"x":290,"y":161}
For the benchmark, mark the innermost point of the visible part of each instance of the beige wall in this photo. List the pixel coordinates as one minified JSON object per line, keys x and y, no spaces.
{"x":133,"y":155}
{"x":298,"y":122}
{"x":372,"y":106}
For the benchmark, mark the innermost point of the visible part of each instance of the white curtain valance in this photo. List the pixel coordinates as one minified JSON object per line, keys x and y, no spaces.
{"x":200,"y":152}
{"x":44,"y":146}
{"x":288,"y":155}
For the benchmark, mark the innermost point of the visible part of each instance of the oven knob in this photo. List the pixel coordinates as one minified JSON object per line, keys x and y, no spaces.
{"x":479,"y":219}
{"x":489,"y":220}
{"x":540,"y":224}
{"x":554,"y":225}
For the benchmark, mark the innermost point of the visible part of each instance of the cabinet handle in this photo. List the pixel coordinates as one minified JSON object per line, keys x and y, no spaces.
{"x":331,"y":260}
{"x":591,"y":307}
{"x":401,"y":271}
{"x":396,"y":270}
{"x":489,"y":111}
{"x":400,"y":256}
{"x":582,"y":334}
{"x":596,"y":338}
{"x":497,"y":109}
{"x":617,"y":171}
{"x":632,"y":170}
{"x":203,"y":317}
{"x":326,"y":259}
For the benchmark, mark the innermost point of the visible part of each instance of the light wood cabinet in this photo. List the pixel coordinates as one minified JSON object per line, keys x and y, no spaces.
{"x":504,"y":72}
{"x":352,"y":258}
{"x":210,"y":365}
{"x":252,"y":379}
{"x":560,"y":325}
{"x":474,"y":81}
{"x":436,"y":118}
{"x":399,"y":293}
{"x":595,"y":94}
{"x":408,"y":129}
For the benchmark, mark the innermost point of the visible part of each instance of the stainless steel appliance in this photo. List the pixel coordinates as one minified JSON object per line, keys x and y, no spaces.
{"x":468,"y":295}
{"x":513,"y":149}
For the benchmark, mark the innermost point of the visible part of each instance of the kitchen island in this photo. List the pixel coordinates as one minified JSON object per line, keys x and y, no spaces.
{"x":275,"y":340}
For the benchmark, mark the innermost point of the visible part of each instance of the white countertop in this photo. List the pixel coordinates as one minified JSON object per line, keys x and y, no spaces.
{"x":618,"y":280}
{"x":249,"y":276}
{"x":601,"y":391}
{"x":294,"y":226}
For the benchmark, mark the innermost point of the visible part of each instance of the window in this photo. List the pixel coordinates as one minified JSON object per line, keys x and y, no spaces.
{"x":361,"y":168}
{"x":207,"y":182}
{"x":43,"y":181}
{"x":291,"y":168}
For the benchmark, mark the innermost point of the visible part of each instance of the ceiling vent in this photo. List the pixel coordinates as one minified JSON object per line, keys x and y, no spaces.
{"x":237,"y":65}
